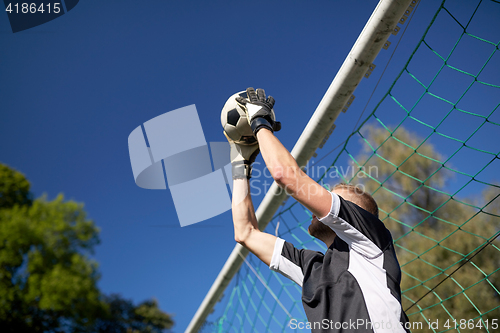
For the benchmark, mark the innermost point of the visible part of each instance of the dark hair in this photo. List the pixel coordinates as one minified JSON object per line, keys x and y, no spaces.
{"x":359,"y":197}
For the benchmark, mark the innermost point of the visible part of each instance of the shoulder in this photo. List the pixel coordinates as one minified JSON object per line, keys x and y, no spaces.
{"x":288,"y":251}
{"x":293,"y":262}
{"x":365,"y":222}
{"x":357,"y":227}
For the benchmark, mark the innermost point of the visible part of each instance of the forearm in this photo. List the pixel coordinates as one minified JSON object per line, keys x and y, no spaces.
{"x":244,"y":219}
{"x":290,"y":177}
{"x":246,"y":228}
{"x":279,"y":161}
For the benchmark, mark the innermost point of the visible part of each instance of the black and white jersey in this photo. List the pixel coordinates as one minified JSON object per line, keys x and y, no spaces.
{"x":355,"y":285}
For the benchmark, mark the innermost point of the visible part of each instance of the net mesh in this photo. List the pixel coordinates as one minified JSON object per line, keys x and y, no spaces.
{"x":429,"y":154}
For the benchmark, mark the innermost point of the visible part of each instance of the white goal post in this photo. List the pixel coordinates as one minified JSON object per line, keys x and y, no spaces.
{"x":369,"y":43}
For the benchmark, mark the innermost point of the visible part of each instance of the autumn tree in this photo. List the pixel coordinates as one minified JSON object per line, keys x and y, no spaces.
{"x":434,"y":230}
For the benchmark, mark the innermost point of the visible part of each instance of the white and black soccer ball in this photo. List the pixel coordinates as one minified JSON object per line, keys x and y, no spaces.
{"x":235,"y":123}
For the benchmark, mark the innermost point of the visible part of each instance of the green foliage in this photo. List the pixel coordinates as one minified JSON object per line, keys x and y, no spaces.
{"x":123,"y":316}
{"x":48,"y":283}
{"x":43,"y":262}
{"x":14,"y":188}
{"x":434,"y":231}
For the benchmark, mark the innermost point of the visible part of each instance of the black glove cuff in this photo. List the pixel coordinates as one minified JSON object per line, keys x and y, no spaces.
{"x":241,"y":170}
{"x":261,"y":122}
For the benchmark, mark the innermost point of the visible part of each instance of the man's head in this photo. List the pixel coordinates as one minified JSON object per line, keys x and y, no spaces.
{"x":350,"y":193}
{"x":356,"y":195}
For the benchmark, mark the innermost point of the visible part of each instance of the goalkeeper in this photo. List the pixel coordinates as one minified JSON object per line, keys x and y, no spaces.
{"x":355,"y":285}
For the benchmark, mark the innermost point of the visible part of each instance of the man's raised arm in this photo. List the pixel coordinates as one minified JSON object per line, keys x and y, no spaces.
{"x":278,"y":159}
{"x":246,"y":228}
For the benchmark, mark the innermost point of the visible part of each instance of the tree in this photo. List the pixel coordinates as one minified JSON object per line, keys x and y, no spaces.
{"x":434,"y":232}
{"x":14,"y":188}
{"x":48,"y":283}
{"x":123,"y":316}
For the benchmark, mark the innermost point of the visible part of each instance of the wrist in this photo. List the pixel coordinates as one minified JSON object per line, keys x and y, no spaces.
{"x":241,"y":170}
{"x":261,"y":123}
{"x":263,"y":134}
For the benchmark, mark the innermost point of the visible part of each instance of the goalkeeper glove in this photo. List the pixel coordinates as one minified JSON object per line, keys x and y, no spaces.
{"x":242,"y":157}
{"x":259,"y":110}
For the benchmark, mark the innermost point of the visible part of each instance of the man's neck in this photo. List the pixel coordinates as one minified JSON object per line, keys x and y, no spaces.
{"x":328,"y":242}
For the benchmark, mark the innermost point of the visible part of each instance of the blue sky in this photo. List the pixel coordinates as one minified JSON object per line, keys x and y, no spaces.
{"x":73,"y":89}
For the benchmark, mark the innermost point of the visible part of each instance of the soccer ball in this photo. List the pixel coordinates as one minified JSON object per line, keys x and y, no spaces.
{"x":235,"y":123}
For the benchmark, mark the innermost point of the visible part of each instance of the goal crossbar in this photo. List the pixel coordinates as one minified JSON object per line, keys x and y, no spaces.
{"x":369,"y":43}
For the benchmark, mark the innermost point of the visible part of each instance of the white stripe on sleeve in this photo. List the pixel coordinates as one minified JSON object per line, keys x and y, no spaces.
{"x":284,"y":266}
{"x":352,"y":236}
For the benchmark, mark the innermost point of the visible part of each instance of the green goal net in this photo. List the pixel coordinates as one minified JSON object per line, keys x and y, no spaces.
{"x":429,"y":154}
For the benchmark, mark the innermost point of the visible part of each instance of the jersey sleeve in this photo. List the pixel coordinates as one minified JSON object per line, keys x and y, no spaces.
{"x":290,"y":261}
{"x":361,"y":230}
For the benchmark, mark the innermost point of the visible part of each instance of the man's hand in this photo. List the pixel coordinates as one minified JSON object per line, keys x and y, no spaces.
{"x":242,"y":157}
{"x":259,"y":110}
